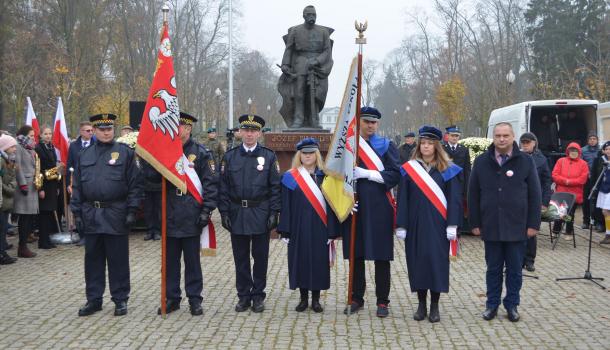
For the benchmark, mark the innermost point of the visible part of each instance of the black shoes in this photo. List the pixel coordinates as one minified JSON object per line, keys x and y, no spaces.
{"x":148,"y":236}
{"x":513,"y":314}
{"x":434,"y":314}
{"x":382,"y":310}
{"x":489,"y":314}
{"x":170,"y":306}
{"x":195,"y":306}
{"x":242,"y":305}
{"x":353,"y":308}
{"x":585,"y":226}
{"x":529,"y":266}
{"x":601,"y":228}
{"x":81,"y":242}
{"x":258,"y":305}
{"x":6,"y":259}
{"x":302,"y":306}
{"x":315,"y":305}
{"x":90,"y":308}
{"x":120,"y":308}
{"x":421,"y":312}
{"x":156,"y":237}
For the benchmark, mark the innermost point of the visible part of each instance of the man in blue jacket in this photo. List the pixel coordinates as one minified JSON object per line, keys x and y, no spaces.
{"x":505,"y":200}
{"x":589,"y":153}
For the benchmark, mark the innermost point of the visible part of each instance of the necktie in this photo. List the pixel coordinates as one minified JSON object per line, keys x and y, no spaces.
{"x":503,"y":157}
{"x":453,"y":148}
{"x":85,"y":144}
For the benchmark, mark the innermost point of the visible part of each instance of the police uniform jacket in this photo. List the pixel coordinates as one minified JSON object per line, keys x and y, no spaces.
{"x":248,"y":195}
{"x":461,"y":158}
{"x":105,"y":188}
{"x":183,"y":210}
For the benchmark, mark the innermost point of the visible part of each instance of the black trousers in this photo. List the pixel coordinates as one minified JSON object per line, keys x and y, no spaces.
{"x":3,"y":230}
{"x":26,"y":226}
{"x":46,"y":226}
{"x":193,"y":278}
{"x":250,"y":285}
{"x":102,"y":249}
{"x":152,"y":211}
{"x":382,"y":281}
{"x":530,"y":250}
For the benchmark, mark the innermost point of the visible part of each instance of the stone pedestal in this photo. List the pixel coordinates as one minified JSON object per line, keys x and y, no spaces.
{"x":284,"y":143}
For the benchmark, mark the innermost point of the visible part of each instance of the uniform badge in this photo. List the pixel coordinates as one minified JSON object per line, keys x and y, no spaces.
{"x":211,"y":165}
{"x":113,"y":158}
{"x":191,"y":159}
{"x":261,"y":162}
{"x":510,"y":173}
{"x":180,"y":166}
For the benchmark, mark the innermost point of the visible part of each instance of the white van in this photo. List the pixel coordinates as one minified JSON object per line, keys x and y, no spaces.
{"x":603,"y":113}
{"x":554,"y":122}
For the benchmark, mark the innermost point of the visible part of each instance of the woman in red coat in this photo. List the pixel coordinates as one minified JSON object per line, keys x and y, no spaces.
{"x":570,"y":175}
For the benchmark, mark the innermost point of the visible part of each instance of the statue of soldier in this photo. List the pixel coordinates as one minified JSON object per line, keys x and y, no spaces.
{"x":306,"y":64}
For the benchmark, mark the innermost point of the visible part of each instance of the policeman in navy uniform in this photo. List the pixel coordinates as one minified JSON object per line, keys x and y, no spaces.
{"x":105,"y":197}
{"x":406,"y":149}
{"x":249,"y":203}
{"x":186,"y":218}
{"x":375,"y":219}
{"x":460,"y":156}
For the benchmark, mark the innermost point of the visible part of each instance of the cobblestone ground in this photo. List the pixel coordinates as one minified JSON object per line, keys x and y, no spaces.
{"x":40,"y":298}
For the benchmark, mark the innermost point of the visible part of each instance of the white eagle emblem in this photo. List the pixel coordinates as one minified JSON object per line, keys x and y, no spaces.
{"x":167,"y":121}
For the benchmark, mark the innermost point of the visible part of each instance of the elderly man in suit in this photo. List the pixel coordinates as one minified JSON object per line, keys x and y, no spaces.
{"x":505,"y":199}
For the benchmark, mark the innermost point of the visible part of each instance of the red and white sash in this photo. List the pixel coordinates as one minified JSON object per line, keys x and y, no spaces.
{"x":432,"y":191}
{"x":372,"y":162}
{"x":311,"y":190}
{"x":195,"y":188}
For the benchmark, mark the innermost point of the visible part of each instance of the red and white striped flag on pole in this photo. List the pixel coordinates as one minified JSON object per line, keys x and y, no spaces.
{"x":30,"y":119}
{"x":60,"y":133}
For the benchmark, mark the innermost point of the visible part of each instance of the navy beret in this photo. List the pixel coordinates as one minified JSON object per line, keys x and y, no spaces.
{"x":308,"y":145}
{"x":370,"y":113}
{"x":430,"y":132}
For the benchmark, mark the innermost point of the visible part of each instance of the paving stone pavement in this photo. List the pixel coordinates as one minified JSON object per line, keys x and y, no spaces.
{"x":40,"y":298}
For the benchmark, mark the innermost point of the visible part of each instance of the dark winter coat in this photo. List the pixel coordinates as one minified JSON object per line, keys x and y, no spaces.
{"x":504,"y":201}
{"x":48,"y":160}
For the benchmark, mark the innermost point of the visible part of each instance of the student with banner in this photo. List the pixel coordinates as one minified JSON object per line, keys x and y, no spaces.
{"x":377,"y":172}
{"x":307,"y":226}
{"x":429,"y":211}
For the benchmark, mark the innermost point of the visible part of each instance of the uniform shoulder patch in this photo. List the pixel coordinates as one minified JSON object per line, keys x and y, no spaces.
{"x":212,"y":165}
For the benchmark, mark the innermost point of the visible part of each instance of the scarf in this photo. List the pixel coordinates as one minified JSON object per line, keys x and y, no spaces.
{"x":25,"y":142}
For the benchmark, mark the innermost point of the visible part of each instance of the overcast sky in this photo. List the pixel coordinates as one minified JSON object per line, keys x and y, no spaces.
{"x":263,"y":23}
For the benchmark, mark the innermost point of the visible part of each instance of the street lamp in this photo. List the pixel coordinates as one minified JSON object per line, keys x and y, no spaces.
{"x":425,"y":103}
{"x":218,"y":93}
{"x":250,"y":104}
{"x":510,"y":77}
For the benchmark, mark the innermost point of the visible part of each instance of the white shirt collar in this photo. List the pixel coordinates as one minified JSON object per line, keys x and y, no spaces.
{"x":83,"y":142}
{"x":249,"y":149}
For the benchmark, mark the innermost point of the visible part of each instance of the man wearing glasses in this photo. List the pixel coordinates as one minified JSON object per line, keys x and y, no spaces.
{"x":83,"y":141}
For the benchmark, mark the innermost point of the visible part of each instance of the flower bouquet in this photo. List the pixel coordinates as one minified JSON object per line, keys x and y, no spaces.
{"x":129,"y":139}
{"x":476,"y":146}
{"x":556,"y":211}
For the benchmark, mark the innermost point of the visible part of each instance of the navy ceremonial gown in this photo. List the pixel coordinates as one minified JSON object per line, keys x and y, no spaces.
{"x":375,"y":218}
{"x":308,"y":264}
{"x":426,"y":245}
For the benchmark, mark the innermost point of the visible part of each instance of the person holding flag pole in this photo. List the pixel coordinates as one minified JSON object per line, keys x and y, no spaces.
{"x":371,"y":228}
{"x":163,"y":139}
{"x":428,"y":214}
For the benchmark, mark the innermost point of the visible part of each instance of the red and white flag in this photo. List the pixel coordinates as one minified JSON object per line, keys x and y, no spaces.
{"x":60,"y":133}
{"x":158,"y":142}
{"x":30,"y":119}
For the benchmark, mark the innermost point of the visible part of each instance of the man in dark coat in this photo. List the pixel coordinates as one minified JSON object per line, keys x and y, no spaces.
{"x":186,"y":218}
{"x":504,"y":209}
{"x":406,"y":149}
{"x":460,"y":156}
{"x":85,"y":140}
{"x":589,"y":153}
{"x":529,"y":145}
{"x":105,"y":198}
{"x":249,"y":205}
{"x":376,"y":212}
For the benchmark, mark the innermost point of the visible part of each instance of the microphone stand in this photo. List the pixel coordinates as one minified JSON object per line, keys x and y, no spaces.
{"x":588,"y":276}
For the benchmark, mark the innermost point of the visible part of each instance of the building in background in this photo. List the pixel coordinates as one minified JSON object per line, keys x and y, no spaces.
{"x":328,"y":118}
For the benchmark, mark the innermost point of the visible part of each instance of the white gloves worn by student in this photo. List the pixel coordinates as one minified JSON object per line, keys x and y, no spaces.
{"x":372,"y":175}
{"x":452,"y":233}
{"x":401,"y":233}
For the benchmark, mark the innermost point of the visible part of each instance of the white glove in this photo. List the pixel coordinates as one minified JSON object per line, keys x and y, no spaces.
{"x":401,"y":233}
{"x":452,"y":233}
{"x":285,"y":240}
{"x":328,"y":242}
{"x":360,"y":173}
{"x":375,"y":176}
{"x":355,"y":208}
